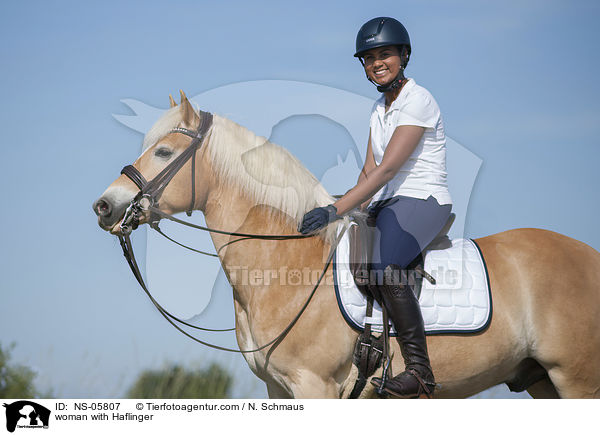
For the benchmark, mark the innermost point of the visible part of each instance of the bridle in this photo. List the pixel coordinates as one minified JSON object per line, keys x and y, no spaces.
{"x":150,"y":191}
{"x":146,"y":201}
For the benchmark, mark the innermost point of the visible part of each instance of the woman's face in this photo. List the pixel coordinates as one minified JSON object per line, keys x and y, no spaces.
{"x":382,"y":64}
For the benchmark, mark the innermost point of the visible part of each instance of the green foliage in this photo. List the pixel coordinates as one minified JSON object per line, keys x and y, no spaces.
{"x":176,"y":382}
{"x":16,"y":381}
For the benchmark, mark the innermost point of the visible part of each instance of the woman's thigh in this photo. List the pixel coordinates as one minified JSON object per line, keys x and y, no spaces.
{"x":404,"y":228}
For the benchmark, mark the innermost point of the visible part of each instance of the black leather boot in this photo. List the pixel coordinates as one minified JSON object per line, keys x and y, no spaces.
{"x":403,"y":309}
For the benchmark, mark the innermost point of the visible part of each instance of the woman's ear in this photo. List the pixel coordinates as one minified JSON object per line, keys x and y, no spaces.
{"x":404,"y":57}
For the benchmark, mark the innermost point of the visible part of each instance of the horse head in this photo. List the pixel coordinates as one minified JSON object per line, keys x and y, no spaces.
{"x":162,"y":145}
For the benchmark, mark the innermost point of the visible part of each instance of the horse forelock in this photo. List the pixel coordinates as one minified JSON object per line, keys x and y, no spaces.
{"x":162,"y":127}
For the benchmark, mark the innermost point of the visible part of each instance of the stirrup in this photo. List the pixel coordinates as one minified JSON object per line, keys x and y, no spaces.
{"x":427,"y":389}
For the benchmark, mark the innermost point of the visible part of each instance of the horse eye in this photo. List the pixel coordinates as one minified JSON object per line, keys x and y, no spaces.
{"x":163,"y":152}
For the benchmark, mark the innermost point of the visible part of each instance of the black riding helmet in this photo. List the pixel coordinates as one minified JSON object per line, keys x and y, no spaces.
{"x":380,"y":32}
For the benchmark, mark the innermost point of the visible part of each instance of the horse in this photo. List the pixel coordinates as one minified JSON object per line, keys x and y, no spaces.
{"x":545,"y":286}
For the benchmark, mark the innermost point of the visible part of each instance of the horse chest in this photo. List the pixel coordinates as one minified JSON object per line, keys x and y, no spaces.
{"x":268,"y":372}
{"x":246,"y":340}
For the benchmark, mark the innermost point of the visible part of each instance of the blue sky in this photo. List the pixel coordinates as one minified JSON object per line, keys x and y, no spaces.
{"x":516,"y":83}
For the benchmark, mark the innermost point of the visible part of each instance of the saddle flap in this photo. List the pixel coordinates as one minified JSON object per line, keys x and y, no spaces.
{"x":360,"y":251}
{"x":361,"y":241}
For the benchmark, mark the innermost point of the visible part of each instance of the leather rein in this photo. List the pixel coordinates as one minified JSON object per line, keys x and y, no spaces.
{"x":146,"y":201}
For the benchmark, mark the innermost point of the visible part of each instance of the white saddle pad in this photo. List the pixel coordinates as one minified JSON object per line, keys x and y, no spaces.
{"x":460,"y":301}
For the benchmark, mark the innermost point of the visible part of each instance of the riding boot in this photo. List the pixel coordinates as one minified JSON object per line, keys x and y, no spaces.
{"x":403,"y":309}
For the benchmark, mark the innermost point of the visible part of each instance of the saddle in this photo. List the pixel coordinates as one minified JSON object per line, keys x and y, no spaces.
{"x":370,"y":350}
{"x":361,"y":245}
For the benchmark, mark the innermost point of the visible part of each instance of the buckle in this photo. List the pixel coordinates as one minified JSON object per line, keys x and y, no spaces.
{"x":145,"y":202}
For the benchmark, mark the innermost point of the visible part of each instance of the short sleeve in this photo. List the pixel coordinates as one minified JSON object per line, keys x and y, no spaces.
{"x":420,"y":110}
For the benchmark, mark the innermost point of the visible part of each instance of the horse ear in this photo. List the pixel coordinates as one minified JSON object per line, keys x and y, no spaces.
{"x":172,"y":102}
{"x":188,"y":114}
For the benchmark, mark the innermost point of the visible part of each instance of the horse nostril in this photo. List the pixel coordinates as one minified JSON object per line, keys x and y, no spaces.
{"x":102,"y":207}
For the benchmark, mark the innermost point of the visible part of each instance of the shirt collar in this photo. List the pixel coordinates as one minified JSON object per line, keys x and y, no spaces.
{"x":410,"y":83}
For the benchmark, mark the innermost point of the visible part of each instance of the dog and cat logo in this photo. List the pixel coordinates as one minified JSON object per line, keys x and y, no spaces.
{"x":25,"y":414}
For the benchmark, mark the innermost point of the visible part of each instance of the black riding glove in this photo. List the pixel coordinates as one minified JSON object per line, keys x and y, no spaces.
{"x":318,"y":218}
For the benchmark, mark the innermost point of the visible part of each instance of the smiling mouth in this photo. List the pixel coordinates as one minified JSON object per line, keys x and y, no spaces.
{"x":378,"y":75}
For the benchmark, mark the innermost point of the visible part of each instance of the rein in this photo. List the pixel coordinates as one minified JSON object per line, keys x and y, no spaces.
{"x":127,"y":247}
{"x":146,"y":200}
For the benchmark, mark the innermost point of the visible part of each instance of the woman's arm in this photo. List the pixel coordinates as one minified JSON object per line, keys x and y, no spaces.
{"x":402,"y":144}
{"x":367,"y":167}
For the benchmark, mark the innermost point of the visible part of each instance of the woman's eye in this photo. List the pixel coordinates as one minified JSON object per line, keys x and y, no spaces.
{"x":163,"y":152}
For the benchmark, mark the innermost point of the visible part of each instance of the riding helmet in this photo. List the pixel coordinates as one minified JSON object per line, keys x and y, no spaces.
{"x":380,"y":32}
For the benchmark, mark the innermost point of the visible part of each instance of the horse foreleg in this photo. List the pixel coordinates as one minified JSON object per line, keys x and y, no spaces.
{"x":276,"y":392}
{"x":305,"y":386}
{"x":309,"y":385}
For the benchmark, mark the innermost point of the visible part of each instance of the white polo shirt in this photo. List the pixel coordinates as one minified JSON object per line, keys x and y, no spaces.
{"x":424,"y":173}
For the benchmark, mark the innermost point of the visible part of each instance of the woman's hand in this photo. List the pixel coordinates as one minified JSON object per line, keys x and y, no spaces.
{"x":318,"y":218}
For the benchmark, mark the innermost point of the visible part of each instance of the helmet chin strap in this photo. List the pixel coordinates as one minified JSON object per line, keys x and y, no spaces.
{"x":393,"y":85}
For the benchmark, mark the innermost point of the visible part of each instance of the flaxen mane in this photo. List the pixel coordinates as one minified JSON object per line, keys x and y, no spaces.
{"x":263,"y":171}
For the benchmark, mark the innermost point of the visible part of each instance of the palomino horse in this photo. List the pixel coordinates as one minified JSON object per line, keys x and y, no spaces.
{"x":546,"y":286}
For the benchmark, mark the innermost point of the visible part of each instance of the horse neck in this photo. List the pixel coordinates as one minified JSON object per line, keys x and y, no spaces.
{"x":271,"y":281}
{"x":227,"y":208}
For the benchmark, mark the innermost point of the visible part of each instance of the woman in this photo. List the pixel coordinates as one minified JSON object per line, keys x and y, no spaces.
{"x":405,"y":176}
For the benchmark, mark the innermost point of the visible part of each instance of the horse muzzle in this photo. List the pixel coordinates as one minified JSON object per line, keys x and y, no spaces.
{"x":110,"y":211}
